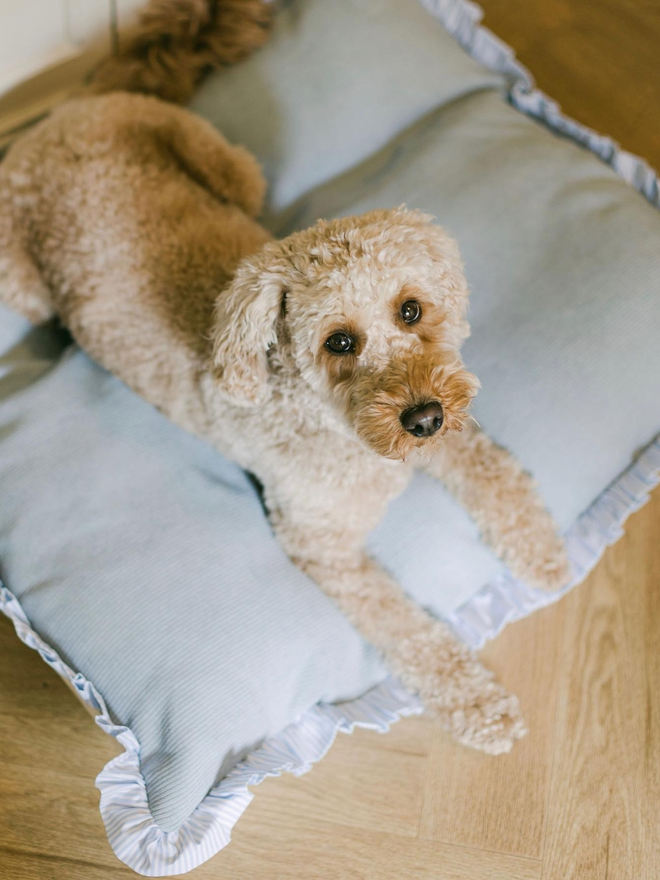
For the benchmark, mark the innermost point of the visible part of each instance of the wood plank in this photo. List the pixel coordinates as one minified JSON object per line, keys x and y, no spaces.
{"x":19,"y":866}
{"x":605,"y":793}
{"x":312,"y":849}
{"x":500,"y":803}
{"x":69,"y":742}
{"x":367,"y":781}
{"x":599,"y":60}
{"x":27,"y":683}
{"x":51,"y":752}
{"x":46,"y":813}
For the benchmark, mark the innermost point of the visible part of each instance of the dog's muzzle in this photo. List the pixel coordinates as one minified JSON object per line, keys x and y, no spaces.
{"x":423,"y":420}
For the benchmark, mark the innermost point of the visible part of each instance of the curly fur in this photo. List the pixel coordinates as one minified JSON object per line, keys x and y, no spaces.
{"x":176,"y":42}
{"x":133,"y":221}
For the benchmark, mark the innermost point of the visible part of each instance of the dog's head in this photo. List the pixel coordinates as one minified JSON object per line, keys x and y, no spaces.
{"x":369,"y":312}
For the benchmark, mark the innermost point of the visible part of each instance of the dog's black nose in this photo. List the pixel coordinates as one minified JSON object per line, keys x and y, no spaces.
{"x":424,"y":420}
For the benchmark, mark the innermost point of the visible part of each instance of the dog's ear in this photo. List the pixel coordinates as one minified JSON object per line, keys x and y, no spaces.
{"x":244,"y":328}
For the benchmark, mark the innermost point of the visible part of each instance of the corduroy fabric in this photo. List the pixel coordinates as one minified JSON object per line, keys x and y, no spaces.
{"x":145,"y":559}
{"x":563,"y":262}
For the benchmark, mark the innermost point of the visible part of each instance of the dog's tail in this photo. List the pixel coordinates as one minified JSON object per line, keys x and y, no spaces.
{"x":176,"y":42}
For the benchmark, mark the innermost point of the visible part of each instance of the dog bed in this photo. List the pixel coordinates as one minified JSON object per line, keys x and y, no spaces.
{"x":139,"y":562}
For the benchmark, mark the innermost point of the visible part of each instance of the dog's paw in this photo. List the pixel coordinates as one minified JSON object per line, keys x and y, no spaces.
{"x":544,"y":565}
{"x":489,"y":721}
{"x":458,"y":689}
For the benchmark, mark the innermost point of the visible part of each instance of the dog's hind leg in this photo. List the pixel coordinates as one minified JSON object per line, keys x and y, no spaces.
{"x":421,"y":651}
{"x":489,"y":482}
{"x":21,"y":286}
{"x":230,"y":173}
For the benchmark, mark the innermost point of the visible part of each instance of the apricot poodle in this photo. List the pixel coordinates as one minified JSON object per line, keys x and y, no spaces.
{"x":327,"y":364}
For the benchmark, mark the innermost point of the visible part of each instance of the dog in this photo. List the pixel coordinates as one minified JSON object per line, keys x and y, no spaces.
{"x":327,"y":364}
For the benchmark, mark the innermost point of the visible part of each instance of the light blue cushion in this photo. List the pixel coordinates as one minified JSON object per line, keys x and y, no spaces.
{"x":334,"y":83}
{"x":564,"y":264}
{"x":145,"y":560}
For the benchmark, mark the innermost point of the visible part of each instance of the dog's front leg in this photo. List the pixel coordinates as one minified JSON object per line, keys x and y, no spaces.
{"x":502,"y":499}
{"x":422,"y":651}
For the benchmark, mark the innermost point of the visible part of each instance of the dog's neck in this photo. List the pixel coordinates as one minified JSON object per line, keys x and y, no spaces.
{"x":296,"y":414}
{"x":308,"y":411}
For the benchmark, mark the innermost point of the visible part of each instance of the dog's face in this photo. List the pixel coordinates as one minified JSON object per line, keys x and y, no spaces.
{"x":369,"y":312}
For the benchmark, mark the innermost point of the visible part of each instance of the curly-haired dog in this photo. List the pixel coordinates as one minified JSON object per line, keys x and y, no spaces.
{"x":328,"y":364}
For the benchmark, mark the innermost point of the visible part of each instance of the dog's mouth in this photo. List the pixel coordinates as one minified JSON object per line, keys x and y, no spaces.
{"x":411,"y":406}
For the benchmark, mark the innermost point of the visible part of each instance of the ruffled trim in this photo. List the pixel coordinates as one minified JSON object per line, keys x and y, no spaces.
{"x":133,"y":834}
{"x":485,"y":614}
{"x":461,"y":18}
{"x":139,"y":842}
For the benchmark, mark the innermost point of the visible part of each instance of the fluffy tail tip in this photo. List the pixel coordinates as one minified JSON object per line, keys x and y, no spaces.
{"x":176,"y":42}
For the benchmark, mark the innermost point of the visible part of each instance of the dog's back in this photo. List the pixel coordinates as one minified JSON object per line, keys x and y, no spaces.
{"x":126,"y":215}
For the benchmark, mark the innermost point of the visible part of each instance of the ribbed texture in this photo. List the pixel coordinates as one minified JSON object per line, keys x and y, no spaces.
{"x":140,"y":843}
{"x":145,"y":559}
{"x":132,"y":830}
{"x":134,"y":835}
{"x":461,"y":18}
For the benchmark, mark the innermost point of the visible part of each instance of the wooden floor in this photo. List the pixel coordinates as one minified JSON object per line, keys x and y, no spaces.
{"x":579,"y":799}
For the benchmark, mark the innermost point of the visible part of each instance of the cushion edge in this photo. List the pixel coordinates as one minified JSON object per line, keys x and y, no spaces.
{"x":135,"y":837}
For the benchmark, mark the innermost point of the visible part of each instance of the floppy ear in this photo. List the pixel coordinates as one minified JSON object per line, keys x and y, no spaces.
{"x":244,"y":325}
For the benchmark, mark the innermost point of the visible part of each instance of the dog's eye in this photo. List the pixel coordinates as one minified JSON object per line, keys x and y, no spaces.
{"x":411,"y":311}
{"x":340,"y":343}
